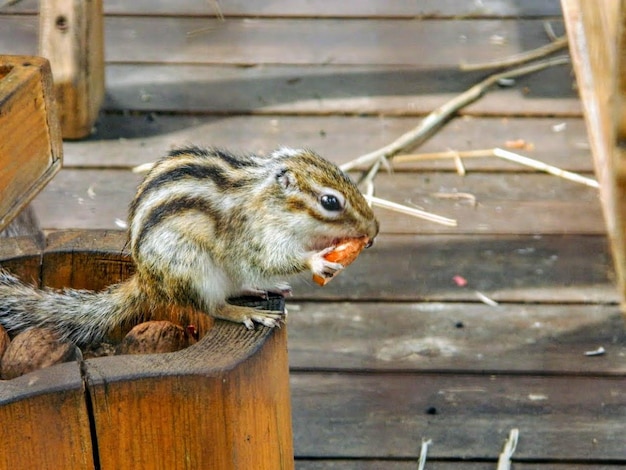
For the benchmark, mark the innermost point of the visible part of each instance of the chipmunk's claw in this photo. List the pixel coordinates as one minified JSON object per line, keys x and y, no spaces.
{"x":250,"y":315}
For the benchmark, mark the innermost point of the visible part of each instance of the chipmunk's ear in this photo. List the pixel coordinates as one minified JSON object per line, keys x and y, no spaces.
{"x":286,"y":179}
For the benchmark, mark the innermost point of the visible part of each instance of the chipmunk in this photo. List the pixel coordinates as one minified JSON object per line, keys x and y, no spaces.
{"x":206,"y":225}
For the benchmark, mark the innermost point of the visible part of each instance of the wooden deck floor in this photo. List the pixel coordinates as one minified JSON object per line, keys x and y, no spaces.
{"x":393,"y":351}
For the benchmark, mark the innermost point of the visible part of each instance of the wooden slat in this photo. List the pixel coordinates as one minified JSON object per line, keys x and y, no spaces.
{"x":71,"y":37}
{"x":467,"y":417}
{"x":128,"y":140}
{"x":553,"y":269}
{"x":315,"y":41}
{"x":325,"y":8}
{"x":366,"y":89}
{"x":454,"y":337}
{"x":596,"y":36}
{"x":506,"y":204}
{"x":389,"y":464}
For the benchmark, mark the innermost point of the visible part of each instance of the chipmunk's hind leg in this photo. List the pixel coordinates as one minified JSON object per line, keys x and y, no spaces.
{"x":249,"y":315}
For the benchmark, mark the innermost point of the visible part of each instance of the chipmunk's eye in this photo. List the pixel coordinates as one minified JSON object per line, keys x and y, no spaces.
{"x":330,"y":202}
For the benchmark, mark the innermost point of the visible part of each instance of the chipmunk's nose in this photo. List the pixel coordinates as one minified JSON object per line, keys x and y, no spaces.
{"x":372,"y":232}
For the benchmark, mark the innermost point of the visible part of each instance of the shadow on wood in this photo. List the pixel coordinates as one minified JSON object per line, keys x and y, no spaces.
{"x":222,"y":403}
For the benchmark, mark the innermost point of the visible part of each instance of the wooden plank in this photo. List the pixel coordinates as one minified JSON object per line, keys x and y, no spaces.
{"x":567,"y":268}
{"x":506,"y":204}
{"x":366,"y":89}
{"x":596,"y":36}
{"x":389,"y":464}
{"x":45,"y":419}
{"x":576,"y":419}
{"x":325,"y":8}
{"x":128,"y":140}
{"x":454,"y":337}
{"x":71,"y":37}
{"x":312,"y":41}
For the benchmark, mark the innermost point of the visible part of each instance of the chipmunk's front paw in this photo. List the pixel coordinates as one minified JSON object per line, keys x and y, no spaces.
{"x":250,"y":315}
{"x":320,"y":266}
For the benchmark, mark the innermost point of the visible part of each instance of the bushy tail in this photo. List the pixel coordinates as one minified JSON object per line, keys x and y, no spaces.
{"x":80,"y":316}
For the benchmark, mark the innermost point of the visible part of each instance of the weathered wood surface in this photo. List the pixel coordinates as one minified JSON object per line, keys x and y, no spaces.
{"x":456,"y":337}
{"x":313,"y":41}
{"x":326,"y":8}
{"x":411,"y":464}
{"x":122,"y":141}
{"x":329,"y":89}
{"x":597,"y":42}
{"x":71,"y":37}
{"x":468,"y":416}
{"x":334,"y":67}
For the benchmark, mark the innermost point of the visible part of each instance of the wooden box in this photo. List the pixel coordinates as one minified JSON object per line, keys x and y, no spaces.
{"x":30,"y":137}
{"x":220,"y":404}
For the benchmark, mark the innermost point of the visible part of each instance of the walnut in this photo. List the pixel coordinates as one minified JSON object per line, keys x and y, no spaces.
{"x":154,"y":337}
{"x":34,"y":349}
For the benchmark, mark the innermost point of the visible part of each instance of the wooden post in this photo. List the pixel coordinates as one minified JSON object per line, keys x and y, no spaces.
{"x":595,"y":31}
{"x":222,"y":403}
{"x":71,"y":36}
{"x":30,"y":136}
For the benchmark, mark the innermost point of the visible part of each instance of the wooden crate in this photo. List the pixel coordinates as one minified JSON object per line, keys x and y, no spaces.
{"x":30,"y":137}
{"x":222,"y":403}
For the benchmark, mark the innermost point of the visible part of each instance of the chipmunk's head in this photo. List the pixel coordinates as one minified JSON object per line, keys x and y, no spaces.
{"x":319,"y":198}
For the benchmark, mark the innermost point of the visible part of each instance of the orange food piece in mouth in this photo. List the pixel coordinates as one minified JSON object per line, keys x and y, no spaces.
{"x":344,"y":253}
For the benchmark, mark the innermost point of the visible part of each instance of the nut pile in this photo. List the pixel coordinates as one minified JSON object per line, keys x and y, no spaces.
{"x":37,"y":348}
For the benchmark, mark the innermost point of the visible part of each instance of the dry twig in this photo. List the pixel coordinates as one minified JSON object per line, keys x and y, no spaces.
{"x":431,"y":123}
{"x":504,"y":461}
{"x":556,"y":45}
{"x":384,"y":204}
{"x":421,"y":463}
{"x":505,"y":155}
{"x":536,"y":164}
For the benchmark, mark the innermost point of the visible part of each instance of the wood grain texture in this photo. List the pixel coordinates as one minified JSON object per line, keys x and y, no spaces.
{"x":333,"y":66}
{"x":455,"y":338}
{"x":506,"y":268}
{"x":326,"y":8}
{"x":219,"y":404}
{"x":411,"y":464}
{"x":313,"y":41}
{"x":45,"y":421}
{"x":71,"y":38}
{"x":31,"y":151}
{"x":595,"y":31}
{"x":376,"y":415}
{"x":122,"y":141}
{"x":327,"y":89}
